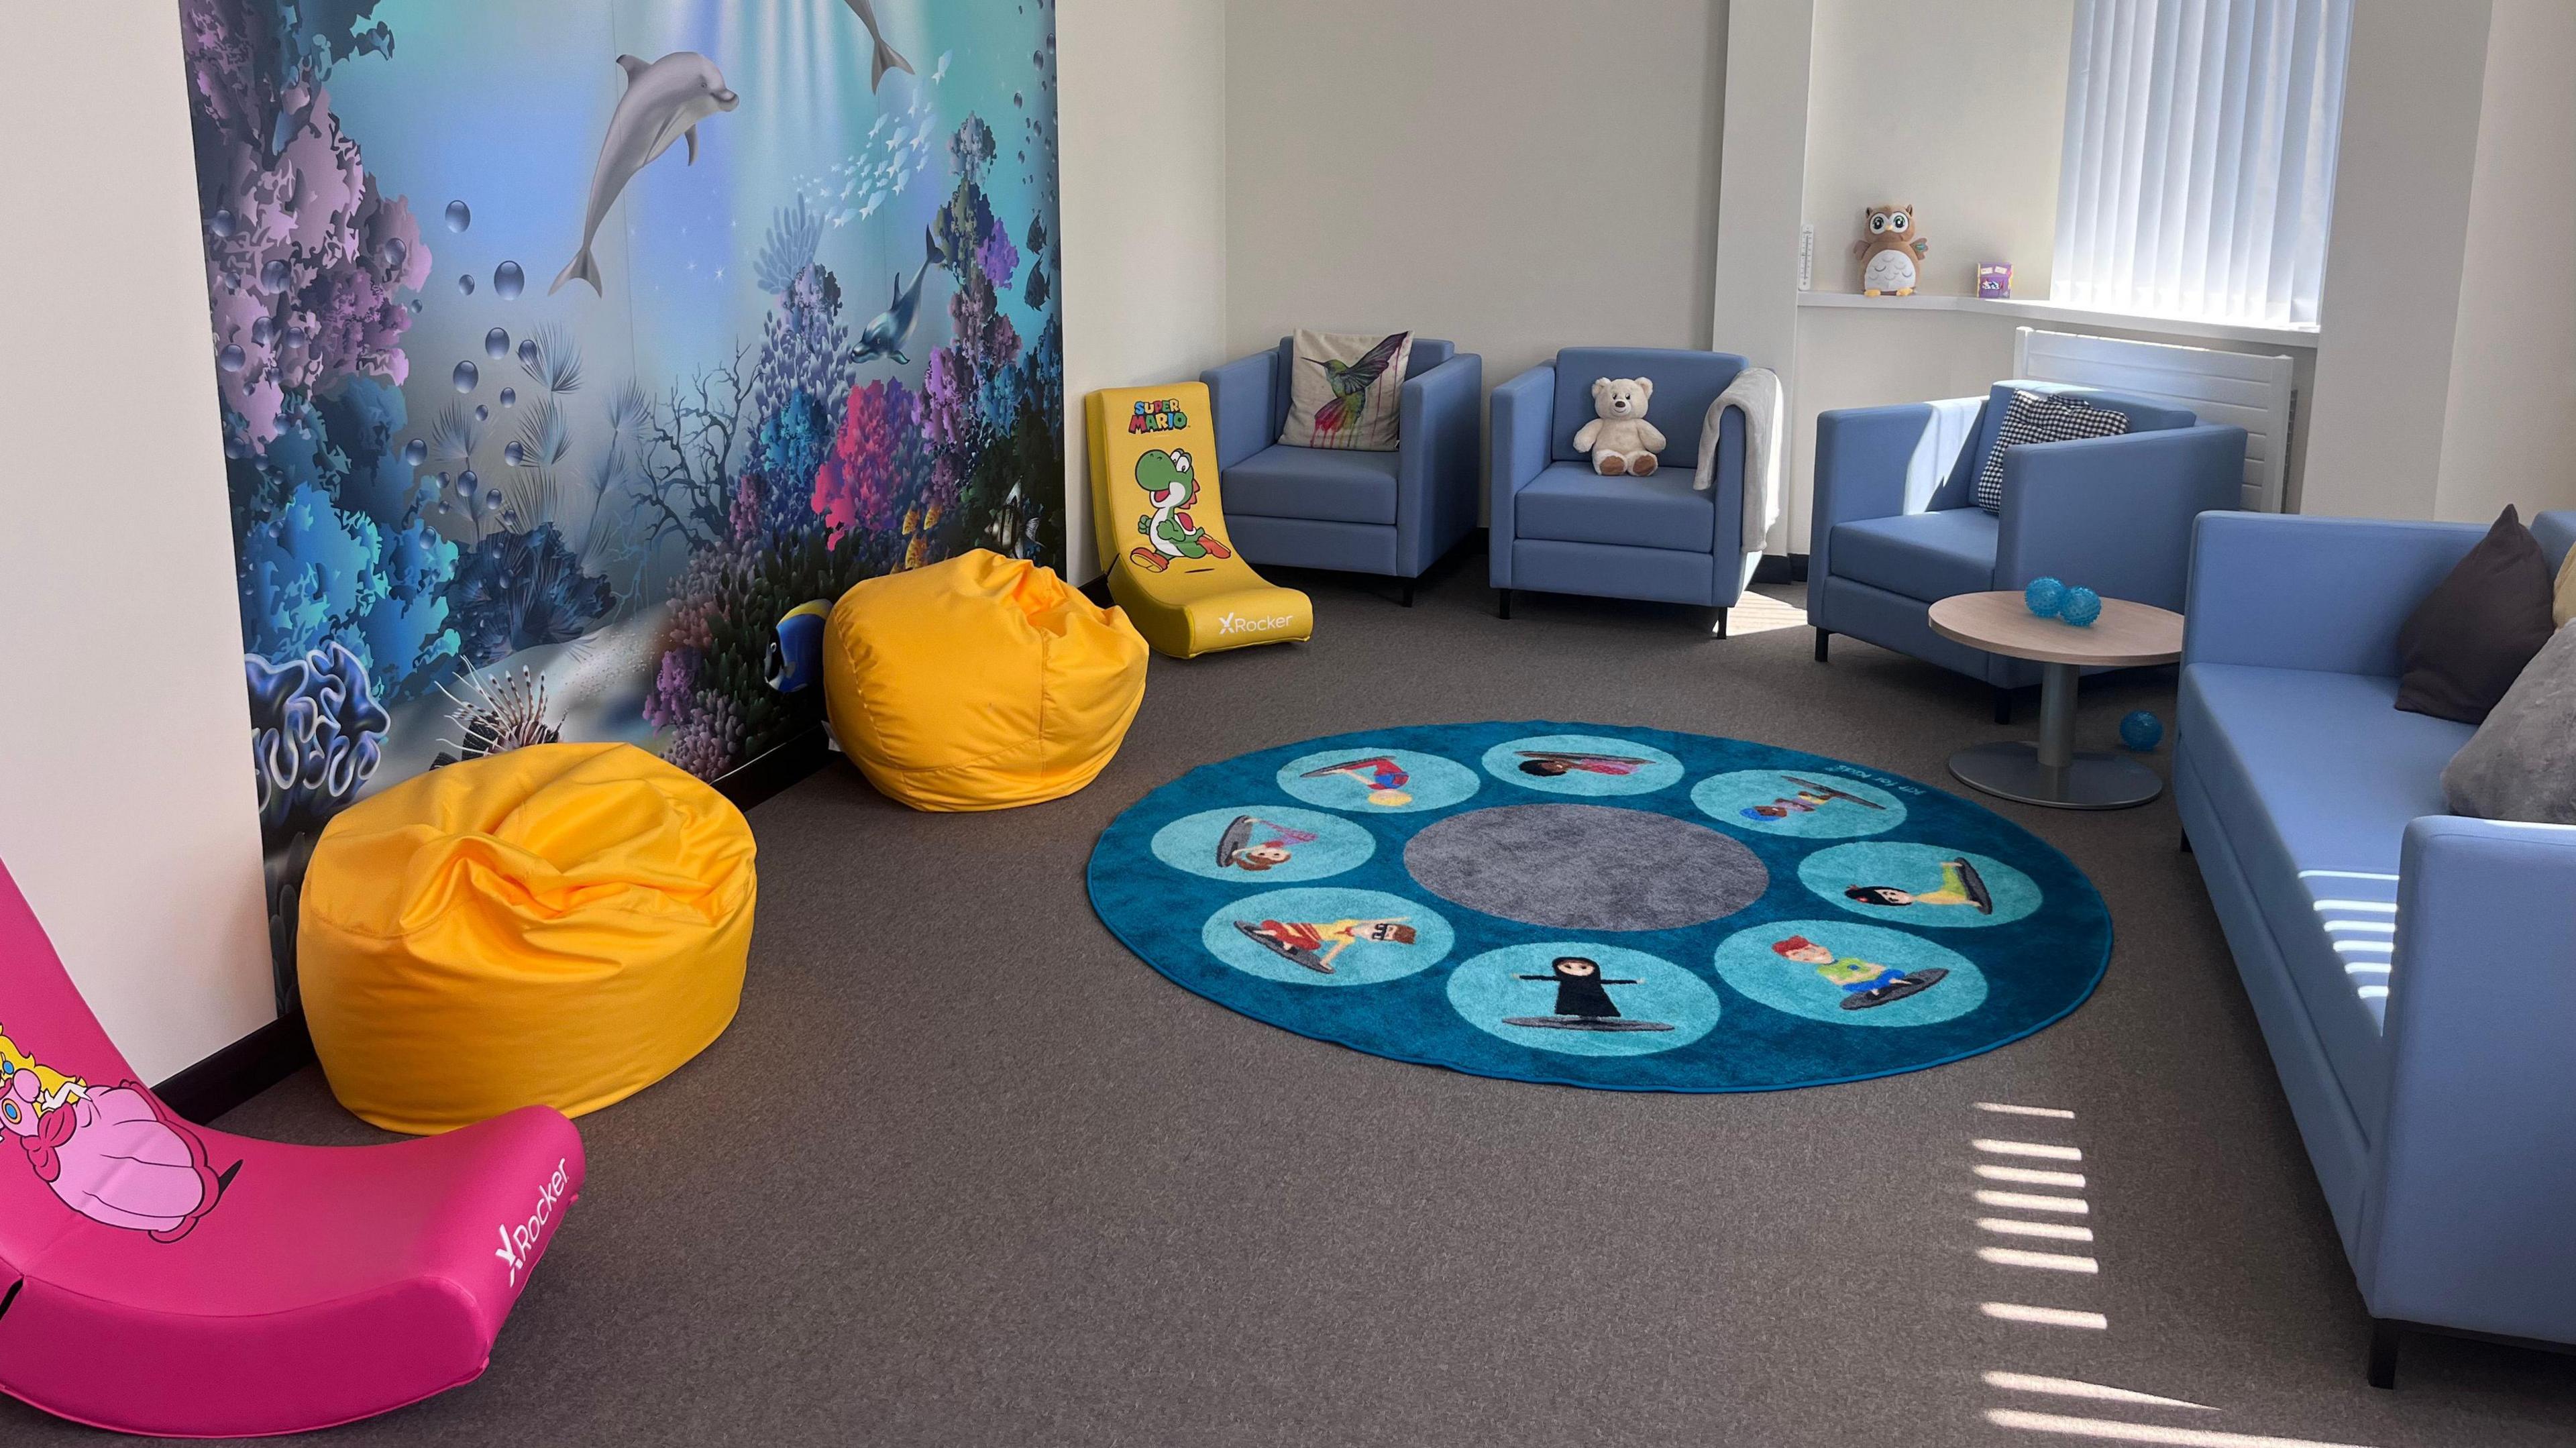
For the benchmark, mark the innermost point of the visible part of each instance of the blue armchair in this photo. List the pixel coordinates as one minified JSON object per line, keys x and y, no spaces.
{"x":1388,"y":513}
{"x":1559,"y":527}
{"x":1891,"y":536}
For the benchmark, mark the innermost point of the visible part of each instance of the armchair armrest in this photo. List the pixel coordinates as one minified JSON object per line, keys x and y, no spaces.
{"x":2556,"y":531}
{"x":2292,"y":592}
{"x":1524,"y":413}
{"x":1240,"y":393}
{"x":1435,"y":478}
{"x":2467,"y":1208}
{"x":2115,"y":513}
{"x":1862,"y":454}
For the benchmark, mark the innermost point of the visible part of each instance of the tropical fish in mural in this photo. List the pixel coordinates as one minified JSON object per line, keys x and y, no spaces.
{"x":885,"y":59}
{"x":1350,"y":382}
{"x":795,"y":659}
{"x":664,"y":102}
{"x":891,"y":330}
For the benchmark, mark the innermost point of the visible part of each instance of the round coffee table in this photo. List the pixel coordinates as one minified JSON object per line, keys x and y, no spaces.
{"x":2048,"y":770}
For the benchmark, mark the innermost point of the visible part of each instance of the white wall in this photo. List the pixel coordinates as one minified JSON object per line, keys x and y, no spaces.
{"x":1763,"y":170}
{"x":1957,"y":108}
{"x":2509,"y":424}
{"x":2413,"y":86}
{"x":1514,"y":175}
{"x":127,"y":806}
{"x":1141,"y":130}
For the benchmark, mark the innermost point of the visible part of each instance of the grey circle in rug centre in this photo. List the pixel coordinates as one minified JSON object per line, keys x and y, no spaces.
{"x":1585,"y":867}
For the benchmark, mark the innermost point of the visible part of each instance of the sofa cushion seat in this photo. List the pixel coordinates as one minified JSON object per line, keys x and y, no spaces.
{"x":1929,"y":556}
{"x":1333,"y":485}
{"x":2316,"y":776}
{"x":1570,"y":503}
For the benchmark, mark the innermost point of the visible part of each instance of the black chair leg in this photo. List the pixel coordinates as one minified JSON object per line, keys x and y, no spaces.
{"x":2003,"y":705}
{"x":1503,"y":600}
{"x":2383,"y":1353}
{"x":1408,"y":593}
{"x":1719,"y":627}
{"x":1822,"y":635}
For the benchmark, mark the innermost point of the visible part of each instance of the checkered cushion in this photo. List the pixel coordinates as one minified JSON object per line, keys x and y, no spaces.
{"x":2042,"y":417}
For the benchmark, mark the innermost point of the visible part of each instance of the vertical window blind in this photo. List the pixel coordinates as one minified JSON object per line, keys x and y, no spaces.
{"x":2198,"y":174}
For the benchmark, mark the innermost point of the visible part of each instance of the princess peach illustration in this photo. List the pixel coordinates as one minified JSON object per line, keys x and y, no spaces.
{"x":112,"y":1153}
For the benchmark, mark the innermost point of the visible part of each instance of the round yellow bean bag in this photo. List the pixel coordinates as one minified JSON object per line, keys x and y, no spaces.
{"x":979,"y":683}
{"x":561,"y":924}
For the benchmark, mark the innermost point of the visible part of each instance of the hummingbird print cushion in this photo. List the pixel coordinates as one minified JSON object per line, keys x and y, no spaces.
{"x":1346,"y":389}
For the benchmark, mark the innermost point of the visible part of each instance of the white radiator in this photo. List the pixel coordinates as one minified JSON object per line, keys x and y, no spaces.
{"x":2248,"y":390}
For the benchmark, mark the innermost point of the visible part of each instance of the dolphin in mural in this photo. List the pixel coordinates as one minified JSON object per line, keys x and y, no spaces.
{"x":664,"y":102}
{"x":885,"y":59}
{"x":891,"y":331}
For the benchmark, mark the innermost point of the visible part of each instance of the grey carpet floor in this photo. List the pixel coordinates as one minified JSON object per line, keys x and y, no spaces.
{"x":965,"y":1172}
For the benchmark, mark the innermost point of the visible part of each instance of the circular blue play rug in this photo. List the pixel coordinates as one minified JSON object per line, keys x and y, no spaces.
{"x":1610,"y":907}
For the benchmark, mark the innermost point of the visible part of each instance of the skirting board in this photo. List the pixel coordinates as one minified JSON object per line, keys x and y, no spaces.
{"x":283,"y":1047}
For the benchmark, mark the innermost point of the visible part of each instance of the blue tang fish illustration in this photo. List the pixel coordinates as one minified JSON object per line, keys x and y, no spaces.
{"x":795,"y":660}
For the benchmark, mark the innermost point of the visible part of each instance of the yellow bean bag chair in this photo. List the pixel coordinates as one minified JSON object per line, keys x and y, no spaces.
{"x":1160,"y":518}
{"x":979,"y":683}
{"x":562,"y":924}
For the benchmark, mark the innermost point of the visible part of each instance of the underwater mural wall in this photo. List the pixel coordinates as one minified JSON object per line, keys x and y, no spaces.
{"x":568,"y":354}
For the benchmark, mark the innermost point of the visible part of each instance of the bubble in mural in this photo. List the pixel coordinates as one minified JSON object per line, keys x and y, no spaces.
{"x":482,"y":414}
{"x":508,"y":281}
{"x":272,"y":277}
{"x":262,"y":330}
{"x":496,"y":344}
{"x":468,"y":376}
{"x":492,"y":497}
{"x":221,"y":224}
{"x":528,"y":354}
{"x":466,"y":483}
{"x":509,"y":397}
{"x":230,"y":359}
{"x":516,"y":455}
{"x":459,"y":216}
{"x":465,"y":283}
{"x":415,"y":452}
{"x":394,"y":253}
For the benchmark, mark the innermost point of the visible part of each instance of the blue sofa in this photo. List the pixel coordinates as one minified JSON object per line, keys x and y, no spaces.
{"x":2414,"y":972}
{"x":1559,"y":527}
{"x":1388,"y":513}
{"x":1894,"y":533}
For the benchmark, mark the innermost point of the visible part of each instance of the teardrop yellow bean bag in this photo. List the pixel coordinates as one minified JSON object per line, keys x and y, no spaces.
{"x":563,"y":924}
{"x":979,"y":683}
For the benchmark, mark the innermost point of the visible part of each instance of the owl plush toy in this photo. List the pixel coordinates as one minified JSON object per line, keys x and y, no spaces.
{"x":1890,"y":253}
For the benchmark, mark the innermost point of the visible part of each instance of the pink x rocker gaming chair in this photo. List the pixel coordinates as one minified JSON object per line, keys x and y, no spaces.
{"x":158,"y":1277}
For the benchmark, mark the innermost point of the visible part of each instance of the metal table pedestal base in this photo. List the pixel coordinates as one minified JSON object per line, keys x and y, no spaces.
{"x":2048,"y":771}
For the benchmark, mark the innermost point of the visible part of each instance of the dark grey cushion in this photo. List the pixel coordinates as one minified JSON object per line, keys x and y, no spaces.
{"x":2468,"y":640}
{"x":2522,"y":763}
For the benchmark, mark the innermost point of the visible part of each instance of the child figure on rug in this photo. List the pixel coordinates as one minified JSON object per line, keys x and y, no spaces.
{"x":1582,"y":1000}
{"x":1384,"y":778}
{"x":1240,"y":848}
{"x":1807,"y":800}
{"x":1550,"y":764}
{"x":1961,"y":885}
{"x":1304,"y":941}
{"x":1865,"y":983}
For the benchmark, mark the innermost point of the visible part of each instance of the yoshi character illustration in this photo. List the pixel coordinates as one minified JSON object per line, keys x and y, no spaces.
{"x":1171,"y":487}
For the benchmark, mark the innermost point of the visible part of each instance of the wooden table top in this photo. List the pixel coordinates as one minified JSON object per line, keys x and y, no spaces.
{"x":2127,"y":635}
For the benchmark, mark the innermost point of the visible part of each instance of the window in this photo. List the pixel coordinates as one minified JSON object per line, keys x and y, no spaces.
{"x":2198,"y":176}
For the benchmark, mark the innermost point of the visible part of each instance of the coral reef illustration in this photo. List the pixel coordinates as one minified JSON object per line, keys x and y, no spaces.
{"x":808,"y":336}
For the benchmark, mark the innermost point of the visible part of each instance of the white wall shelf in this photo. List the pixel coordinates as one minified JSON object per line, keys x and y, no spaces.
{"x":2033,"y":311}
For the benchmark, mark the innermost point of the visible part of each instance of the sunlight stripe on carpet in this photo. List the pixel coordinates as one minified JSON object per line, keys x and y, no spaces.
{"x":2038,"y":1149}
{"x":2076,"y":1388}
{"x":2054,"y":1231}
{"x":2144,"y":1432}
{"x":2045,"y":1261}
{"x":2033,"y":1202}
{"x":2031,"y":1176}
{"x":2005,"y":1108}
{"x":2044,"y":1316}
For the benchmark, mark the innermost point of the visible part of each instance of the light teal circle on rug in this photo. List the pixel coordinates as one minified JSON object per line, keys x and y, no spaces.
{"x":1920,"y":885}
{"x":1489,"y":991}
{"x":1368,"y":780}
{"x":1827,"y":965}
{"x":1582,"y":764}
{"x":1275,"y":949}
{"x":1191,"y":843}
{"x":1802,"y":804}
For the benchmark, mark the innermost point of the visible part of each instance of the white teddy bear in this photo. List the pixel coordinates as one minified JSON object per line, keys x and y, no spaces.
{"x":1619,"y":437}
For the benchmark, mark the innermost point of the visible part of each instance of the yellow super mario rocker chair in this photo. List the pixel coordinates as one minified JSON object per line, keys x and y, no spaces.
{"x":1160,"y":518}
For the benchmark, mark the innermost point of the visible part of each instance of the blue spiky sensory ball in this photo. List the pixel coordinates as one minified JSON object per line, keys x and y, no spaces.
{"x":2141,"y":731}
{"x":2081,"y":607}
{"x":2045,"y":596}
